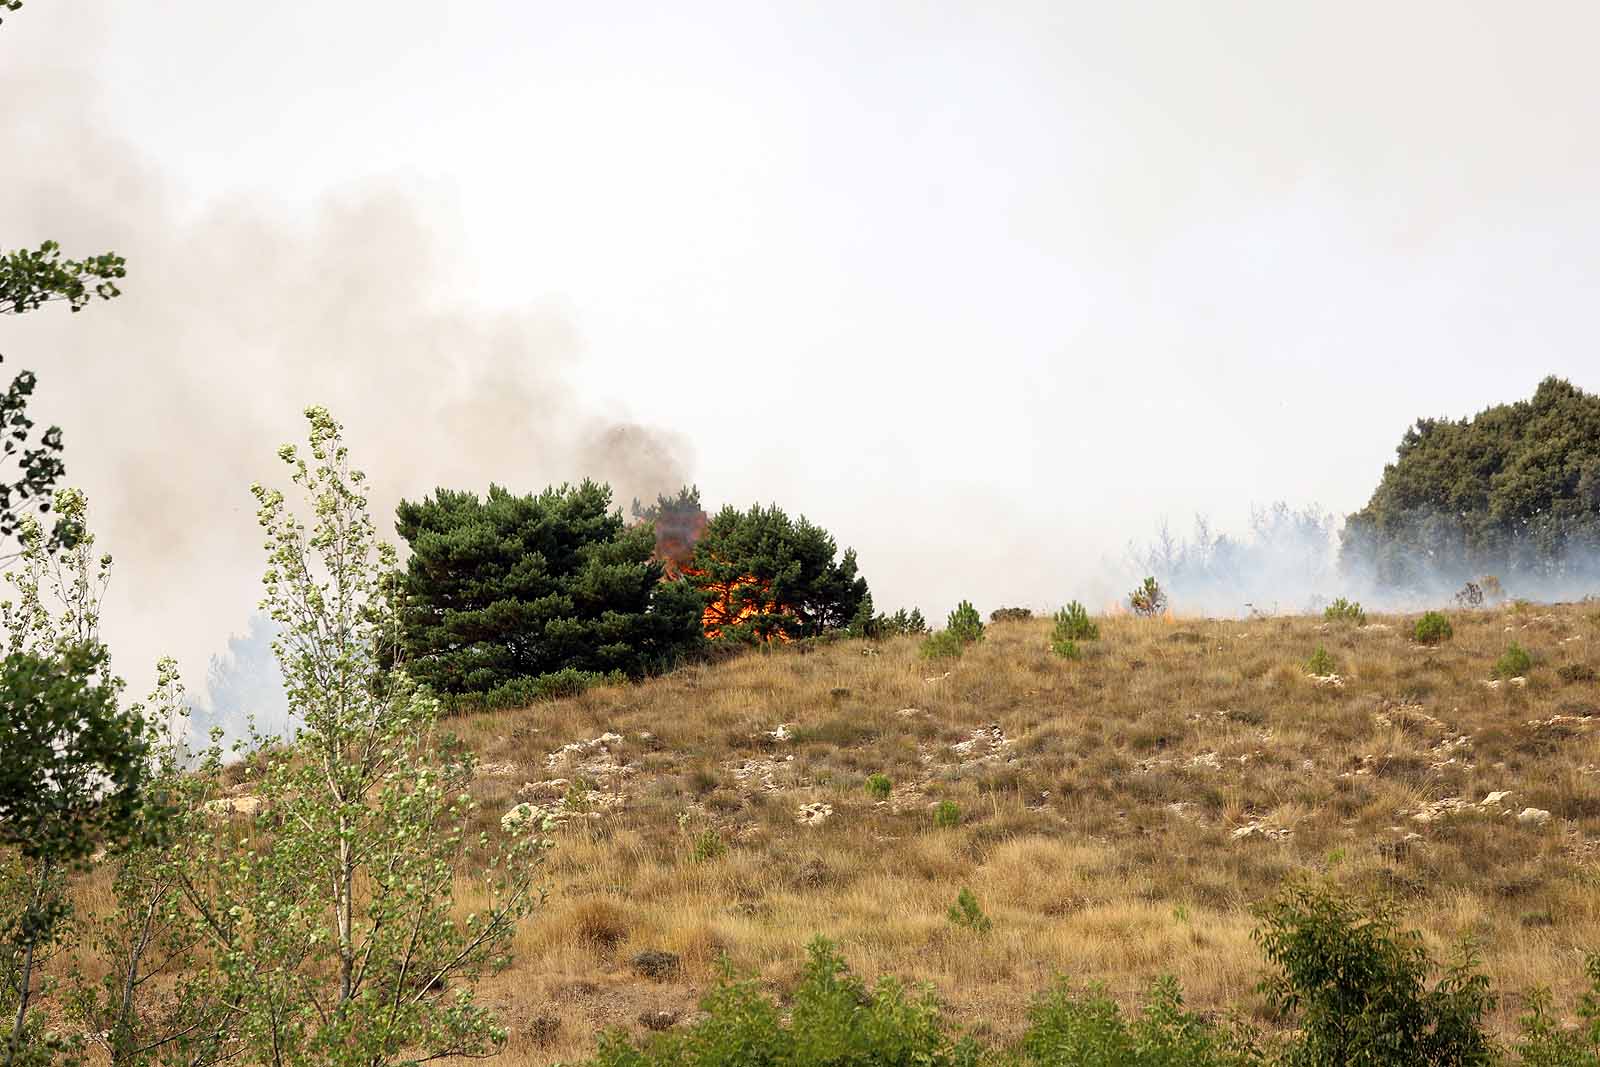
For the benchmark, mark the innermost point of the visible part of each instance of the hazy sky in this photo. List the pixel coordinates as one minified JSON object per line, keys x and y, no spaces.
{"x":985,"y":289}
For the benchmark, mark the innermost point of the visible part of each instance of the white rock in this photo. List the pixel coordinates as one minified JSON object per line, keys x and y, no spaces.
{"x":1533,"y":817}
{"x":813,"y":814}
{"x":1494,"y":798}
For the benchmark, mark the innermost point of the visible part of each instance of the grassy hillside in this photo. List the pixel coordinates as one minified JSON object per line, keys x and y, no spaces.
{"x":1119,"y":814}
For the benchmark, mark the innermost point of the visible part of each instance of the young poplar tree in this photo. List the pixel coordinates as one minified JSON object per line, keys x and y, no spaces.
{"x":72,"y":761}
{"x":342,"y":939}
{"x":158,"y":998}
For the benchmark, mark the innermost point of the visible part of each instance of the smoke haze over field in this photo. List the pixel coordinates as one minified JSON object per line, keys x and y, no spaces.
{"x":987,"y":292}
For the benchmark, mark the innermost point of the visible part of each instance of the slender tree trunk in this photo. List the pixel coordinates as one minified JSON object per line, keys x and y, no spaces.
{"x":32,"y":930}
{"x":345,"y":905}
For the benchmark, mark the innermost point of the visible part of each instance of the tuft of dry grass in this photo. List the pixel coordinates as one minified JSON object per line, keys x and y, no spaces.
{"x":1120,"y":812}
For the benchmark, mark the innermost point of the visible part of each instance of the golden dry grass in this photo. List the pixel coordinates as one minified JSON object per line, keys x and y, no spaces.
{"x":1099,"y":834}
{"x":1099,"y":803}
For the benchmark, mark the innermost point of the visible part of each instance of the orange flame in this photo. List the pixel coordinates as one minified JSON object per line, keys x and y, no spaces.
{"x":735,"y":602}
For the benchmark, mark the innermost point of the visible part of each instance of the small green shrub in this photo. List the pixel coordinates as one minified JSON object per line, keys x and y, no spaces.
{"x":1065,"y":647}
{"x":1321,"y":664}
{"x":1073,"y":624}
{"x":1070,"y":1029}
{"x":1545,"y":1042}
{"x":942,"y":645}
{"x":1342,"y":610}
{"x":707,"y":845}
{"x":1149,"y":599}
{"x":961,"y":629}
{"x":522,"y":692}
{"x":966,"y":912}
{"x":879,"y":787}
{"x":1514,"y":662}
{"x":1432,"y":629}
{"x":965,"y":623}
{"x":1357,"y":986}
{"x":946,"y":814}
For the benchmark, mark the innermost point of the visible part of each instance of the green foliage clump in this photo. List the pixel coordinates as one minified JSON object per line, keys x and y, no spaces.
{"x":881,"y":627}
{"x":963,"y":627}
{"x":1514,"y":662}
{"x":707,"y":845}
{"x":1321,"y":664}
{"x":534,"y":592}
{"x":835,"y":1020}
{"x":1514,"y":490}
{"x":764,"y":576}
{"x":946,"y":814}
{"x":965,"y":912}
{"x":1072,"y":625}
{"x":1545,"y":1042}
{"x":965,"y":623}
{"x":1148,"y":599}
{"x":522,"y":692}
{"x":879,"y":786}
{"x":1342,"y":610}
{"x":1356,"y":985}
{"x":1071,"y":1029}
{"x":1432,"y":629}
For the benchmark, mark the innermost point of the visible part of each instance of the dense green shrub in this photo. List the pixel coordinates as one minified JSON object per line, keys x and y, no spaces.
{"x":946,"y":814}
{"x":1351,"y":988}
{"x":1065,"y":647}
{"x":879,"y":786}
{"x":1513,"y":491}
{"x":1321,"y":664}
{"x":942,"y":645}
{"x":965,"y":623}
{"x":1433,"y":628}
{"x":763,"y":575}
{"x":965,"y":912}
{"x":1356,"y":986}
{"x":881,"y":627}
{"x":1148,"y":599}
{"x":1342,"y":610}
{"x":1513,"y":662}
{"x":1545,"y":1042}
{"x":1072,"y":1029}
{"x":1073,"y":623}
{"x":505,"y":589}
{"x":835,"y":1020}
{"x":521,"y":692}
{"x":962,"y":628}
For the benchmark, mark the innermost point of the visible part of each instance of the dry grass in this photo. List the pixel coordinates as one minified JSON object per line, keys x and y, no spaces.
{"x":1099,"y":802}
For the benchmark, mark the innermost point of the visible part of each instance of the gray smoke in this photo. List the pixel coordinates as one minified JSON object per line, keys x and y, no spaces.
{"x":236,"y":315}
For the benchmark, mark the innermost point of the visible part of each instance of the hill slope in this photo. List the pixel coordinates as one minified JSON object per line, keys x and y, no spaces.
{"x":1119,"y":814}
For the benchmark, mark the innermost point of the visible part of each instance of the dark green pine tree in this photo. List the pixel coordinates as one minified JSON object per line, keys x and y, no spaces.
{"x":507,"y":587}
{"x":766,"y":576}
{"x":1513,"y":491}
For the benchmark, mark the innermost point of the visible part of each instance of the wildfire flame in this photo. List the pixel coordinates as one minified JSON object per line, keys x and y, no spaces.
{"x":729,"y":603}
{"x":736,"y":602}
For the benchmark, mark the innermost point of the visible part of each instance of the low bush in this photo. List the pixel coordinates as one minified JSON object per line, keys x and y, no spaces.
{"x":1149,"y":599}
{"x":879,"y":786}
{"x":1066,"y":648}
{"x":1342,"y":610}
{"x":942,"y":645}
{"x":1073,"y":624}
{"x":946,"y":814}
{"x":1010,"y":615}
{"x":1576,"y":672}
{"x":521,"y":692}
{"x":1321,"y":664}
{"x":1432,"y":629}
{"x":962,"y":628}
{"x":1514,"y":662}
{"x":965,"y":912}
{"x":1349,"y":984}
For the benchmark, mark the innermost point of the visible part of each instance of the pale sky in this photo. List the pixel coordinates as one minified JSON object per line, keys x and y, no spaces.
{"x":987,"y":290}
